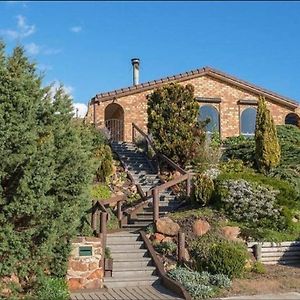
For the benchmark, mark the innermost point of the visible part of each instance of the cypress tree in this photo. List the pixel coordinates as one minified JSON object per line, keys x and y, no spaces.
{"x":267,"y":150}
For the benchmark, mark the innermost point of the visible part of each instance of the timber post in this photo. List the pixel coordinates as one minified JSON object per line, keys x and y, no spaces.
{"x":181,"y":246}
{"x":155,"y":195}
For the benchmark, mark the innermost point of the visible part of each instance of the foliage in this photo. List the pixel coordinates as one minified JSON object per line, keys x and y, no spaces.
{"x":150,"y":229}
{"x":258,"y":268}
{"x":104,"y":157}
{"x":249,"y":202}
{"x":46,"y":166}
{"x":100,"y":192}
{"x":52,"y":288}
{"x":113,"y":222}
{"x":199,"y":285}
{"x":223,"y":257}
{"x":107,"y":253}
{"x":233,"y":165}
{"x":166,"y":248}
{"x":287,"y":195}
{"x":172,"y":121}
{"x":267,"y":149}
{"x":203,"y":187}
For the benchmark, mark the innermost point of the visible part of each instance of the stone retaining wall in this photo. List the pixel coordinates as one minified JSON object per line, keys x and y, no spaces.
{"x":85,"y":272}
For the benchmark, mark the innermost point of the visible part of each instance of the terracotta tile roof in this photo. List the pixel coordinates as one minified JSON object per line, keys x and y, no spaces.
{"x":102,"y":97}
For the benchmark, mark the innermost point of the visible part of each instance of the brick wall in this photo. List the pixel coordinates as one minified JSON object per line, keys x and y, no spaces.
{"x":85,"y":272}
{"x":135,"y":106}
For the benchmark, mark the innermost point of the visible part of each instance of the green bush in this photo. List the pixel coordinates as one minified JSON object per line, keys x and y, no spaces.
{"x":203,"y":187}
{"x":52,"y":288}
{"x":113,"y":222}
{"x":200,"y":285}
{"x":104,"y":160}
{"x":225,"y":257}
{"x":100,"y":192}
{"x":249,"y":202}
{"x":258,"y":268}
{"x":166,"y":248}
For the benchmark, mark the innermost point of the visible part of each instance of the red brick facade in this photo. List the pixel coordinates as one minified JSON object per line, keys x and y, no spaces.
{"x":227,"y":91}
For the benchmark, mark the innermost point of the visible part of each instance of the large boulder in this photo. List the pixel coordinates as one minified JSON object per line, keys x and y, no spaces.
{"x":231,"y":233}
{"x":167,"y":226}
{"x":200,"y":227}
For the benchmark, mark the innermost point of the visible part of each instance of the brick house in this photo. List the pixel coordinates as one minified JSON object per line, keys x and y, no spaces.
{"x":229,"y":102}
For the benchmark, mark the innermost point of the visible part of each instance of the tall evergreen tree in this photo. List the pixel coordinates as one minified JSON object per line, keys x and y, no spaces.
{"x":172,"y":121}
{"x":45,"y":168}
{"x":267,"y":148}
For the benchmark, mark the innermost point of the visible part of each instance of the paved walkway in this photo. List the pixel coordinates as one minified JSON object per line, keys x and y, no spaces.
{"x":155,"y":292}
{"x":284,"y":296}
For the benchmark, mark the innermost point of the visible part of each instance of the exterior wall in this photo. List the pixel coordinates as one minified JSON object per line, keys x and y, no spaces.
{"x":85,"y":272}
{"x":135,"y":106}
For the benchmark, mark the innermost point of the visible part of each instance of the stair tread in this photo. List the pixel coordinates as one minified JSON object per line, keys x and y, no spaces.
{"x":138,"y":278}
{"x":129,"y":269}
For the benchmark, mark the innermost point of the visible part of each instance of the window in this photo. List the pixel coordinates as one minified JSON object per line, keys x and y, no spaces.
{"x":208,"y":112}
{"x":292,"y":119}
{"x":248,"y":119}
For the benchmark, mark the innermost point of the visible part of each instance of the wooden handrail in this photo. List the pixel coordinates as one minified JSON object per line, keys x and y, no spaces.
{"x":172,"y":182}
{"x":166,"y":281}
{"x":172,"y":163}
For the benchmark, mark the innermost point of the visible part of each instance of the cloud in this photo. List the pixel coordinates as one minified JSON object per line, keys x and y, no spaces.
{"x":76,"y":29}
{"x":44,"y":67}
{"x":80,"y":110}
{"x":23,"y":29}
{"x":32,"y":48}
{"x":51,"y":51}
{"x":68,"y":89}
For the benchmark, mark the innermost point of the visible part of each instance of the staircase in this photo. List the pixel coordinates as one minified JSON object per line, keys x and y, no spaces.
{"x":132,"y":265}
{"x":143,"y":173}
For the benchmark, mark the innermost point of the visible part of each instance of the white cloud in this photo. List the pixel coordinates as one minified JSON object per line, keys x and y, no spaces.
{"x":51,"y":51}
{"x":23,"y":29}
{"x":44,"y":67}
{"x":68,"y":89}
{"x":32,"y":48}
{"x":80,"y":110}
{"x":76,"y":29}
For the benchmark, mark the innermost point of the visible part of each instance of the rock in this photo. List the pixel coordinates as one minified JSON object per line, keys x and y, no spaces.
{"x":200,"y":227}
{"x":176,"y":174}
{"x":231,"y":233}
{"x":97,"y":274}
{"x":74,"y":284}
{"x":167,"y":226}
{"x":167,"y":239}
{"x":93,"y":284}
{"x":158,"y":237}
{"x":295,"y":220}
{"x":78,"y":266}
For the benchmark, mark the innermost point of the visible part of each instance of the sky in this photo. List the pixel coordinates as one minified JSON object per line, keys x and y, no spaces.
{"x":88,"y":45}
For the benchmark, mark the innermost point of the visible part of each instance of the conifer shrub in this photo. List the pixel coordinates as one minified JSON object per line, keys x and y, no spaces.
{"x":224,"y":257}
{"x":104,"y":159}
{"x":172,"y":121}
{"x":267,"y":148}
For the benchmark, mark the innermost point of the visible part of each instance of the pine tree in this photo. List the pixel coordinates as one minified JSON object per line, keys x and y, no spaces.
{"x":267,"y":148}
{"x":172,"y":121}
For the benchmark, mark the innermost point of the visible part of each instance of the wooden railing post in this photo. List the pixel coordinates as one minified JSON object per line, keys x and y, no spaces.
{"x":188,"y":185}
{"x":94,"y":217}
{"x":119,"y":212}
{"x":155,"y":196}
{"x":133,"y":133}
{"x":102,"y":234}
{"x":181,"y":246}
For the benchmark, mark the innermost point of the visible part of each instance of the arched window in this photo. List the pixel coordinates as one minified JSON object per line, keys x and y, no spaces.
{"x":292,"y":119}
{"x":248,"y":119}
{"x":208,"y":112}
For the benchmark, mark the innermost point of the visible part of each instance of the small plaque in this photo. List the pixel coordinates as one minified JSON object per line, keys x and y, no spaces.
{"x":85,"y":251}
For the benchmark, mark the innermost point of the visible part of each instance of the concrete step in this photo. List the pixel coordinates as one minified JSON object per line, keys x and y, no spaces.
{"x":122,"y":238}
{"x":138,"y":225}
{"x":125,"y":247}
{"x":148,"y":214}
{"x":134,"y":263}
{"x":112,"y":282}
{"x":140,"y":272}
{"x":134,"y":253}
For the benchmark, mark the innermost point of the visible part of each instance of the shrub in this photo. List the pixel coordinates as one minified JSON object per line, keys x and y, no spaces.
{"x":199,"y":285}
{"x":234,"y":166}
{"x":100,"y":192}
{"x":258,"y":268}
{"x":224,"y":257}
{"x":113,"y":222}
{"x":52,"y":288}
{"x":203,"y":189}
{"x":172,"y":121}
{"x":107,"y":253}
{"x":248,"y":202}
{"x":168,"y":248}
{"x":104,"y":162}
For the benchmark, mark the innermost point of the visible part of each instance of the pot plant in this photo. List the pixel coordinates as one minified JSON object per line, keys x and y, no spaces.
{"x":108,"y":262}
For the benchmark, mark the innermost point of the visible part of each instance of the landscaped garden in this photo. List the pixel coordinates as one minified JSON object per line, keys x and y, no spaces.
{"x":244,"y":189}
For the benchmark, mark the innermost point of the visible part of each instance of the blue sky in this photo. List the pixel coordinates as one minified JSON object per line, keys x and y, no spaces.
{"x":88,"y":45}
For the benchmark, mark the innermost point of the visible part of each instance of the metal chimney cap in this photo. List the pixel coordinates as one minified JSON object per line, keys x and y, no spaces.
{"x":135,"y":61}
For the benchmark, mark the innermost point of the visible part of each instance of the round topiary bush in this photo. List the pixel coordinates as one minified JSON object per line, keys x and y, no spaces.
{"x":224,"y":257}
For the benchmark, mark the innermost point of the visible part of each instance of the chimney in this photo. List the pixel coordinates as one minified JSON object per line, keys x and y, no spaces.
{"x":136,"y":70}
